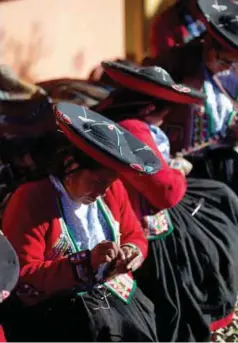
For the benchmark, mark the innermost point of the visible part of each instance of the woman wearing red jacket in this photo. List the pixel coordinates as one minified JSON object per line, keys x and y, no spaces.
{"x":209,"y":131}
{"x":190,"y":274}
{"x":78,"y":239}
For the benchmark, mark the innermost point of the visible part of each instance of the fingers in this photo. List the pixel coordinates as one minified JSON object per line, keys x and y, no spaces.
{"x":121,"y":254}
{"x":135,"y":263}
{"x":105,"y":251}
{"x":126,"y":257}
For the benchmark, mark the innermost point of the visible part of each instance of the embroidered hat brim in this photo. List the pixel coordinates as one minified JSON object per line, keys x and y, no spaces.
{"x":153,"y":81}
{"x":9,"y":268}
{"x":221,"y":19}
{"x":105,"y":141}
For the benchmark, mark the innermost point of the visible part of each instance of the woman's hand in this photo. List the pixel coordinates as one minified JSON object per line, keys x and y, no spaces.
{"x":105,"y":251}
{"x":132,"y":260}
{"x":180,"y":163}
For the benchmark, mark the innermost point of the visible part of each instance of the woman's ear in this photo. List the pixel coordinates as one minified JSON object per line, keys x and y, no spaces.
{"x":70,"y":164}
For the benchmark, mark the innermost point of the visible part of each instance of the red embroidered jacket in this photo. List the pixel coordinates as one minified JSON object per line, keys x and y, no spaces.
{"x":164,"y":189}
{"x":32,"y":224}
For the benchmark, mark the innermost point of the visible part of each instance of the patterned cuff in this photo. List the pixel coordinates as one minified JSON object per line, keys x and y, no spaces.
{"x":82,"y":266}
{"x":131,"y":245}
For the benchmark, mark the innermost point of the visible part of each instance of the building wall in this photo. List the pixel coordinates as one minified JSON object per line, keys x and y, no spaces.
{"x":43,"y":39}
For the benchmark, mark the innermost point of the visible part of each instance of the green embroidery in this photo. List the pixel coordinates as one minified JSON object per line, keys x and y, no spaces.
{"x":170,"y":230}
{"x":208,"y":111}
{"x":110,"y":221}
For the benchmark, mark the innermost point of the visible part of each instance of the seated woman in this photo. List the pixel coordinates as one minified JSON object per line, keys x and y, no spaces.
{"x":207,"y":137}
{"x":174,"y":27}
{"x":190,"y":274}
{"x":78,"y":239}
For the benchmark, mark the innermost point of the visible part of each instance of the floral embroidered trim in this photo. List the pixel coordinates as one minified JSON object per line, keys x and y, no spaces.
{"x":181,"y":88}
{"x":4,"y":295}
{"x":157,"y":226}
{"x":122,"y":286}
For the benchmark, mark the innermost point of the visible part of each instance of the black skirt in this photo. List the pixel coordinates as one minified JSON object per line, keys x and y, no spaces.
{"x":191,"y":275}
{"x":218,"y":163}
{"x":95,"y":317}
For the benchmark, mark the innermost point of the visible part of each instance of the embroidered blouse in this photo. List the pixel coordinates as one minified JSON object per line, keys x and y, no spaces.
{"x":229,"y":80}
{"x":86,"y":222}
{"x":191,"y":128}
{"x":161,"y":140}
{"x":213,"y":118}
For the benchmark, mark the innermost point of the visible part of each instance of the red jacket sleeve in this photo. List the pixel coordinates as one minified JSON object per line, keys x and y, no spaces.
{"x":130,"y":228}
{"x":165,"y":188}
{"x":2,"y":335}
{"x":27,"y":221}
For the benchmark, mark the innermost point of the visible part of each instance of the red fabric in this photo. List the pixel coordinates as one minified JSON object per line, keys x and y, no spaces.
{"x":222,"y":323}
{"x":152,"y":89}
{"x":167,"y":187}
{"x":2,"y":335}
{"x":31,"y":223}
{"x":167,"y":31}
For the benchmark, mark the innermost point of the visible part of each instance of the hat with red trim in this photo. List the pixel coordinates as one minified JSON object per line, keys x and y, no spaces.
{"x":153,"y":81}
{"x":105,"y":141}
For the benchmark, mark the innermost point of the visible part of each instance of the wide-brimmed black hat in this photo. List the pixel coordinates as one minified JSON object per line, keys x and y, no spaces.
{"x":9,"y":268}
{"x":105,"y":141}
{"x":153,"y":81}
{"x":221,"y":19}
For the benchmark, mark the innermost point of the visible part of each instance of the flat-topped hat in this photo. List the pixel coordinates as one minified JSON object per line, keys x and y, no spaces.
{"x":9,"y":267}
{"x":153,"y":81}
{"x":221,"y":19}
{"x":105,"y":141}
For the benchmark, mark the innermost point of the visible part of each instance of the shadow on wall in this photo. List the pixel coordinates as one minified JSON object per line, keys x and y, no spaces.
{"x":24,"y":56}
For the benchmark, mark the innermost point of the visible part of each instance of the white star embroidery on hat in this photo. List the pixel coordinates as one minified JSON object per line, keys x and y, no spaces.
{"x":162,"y":71}
{"x":219,"y":8}
{"x":233,"y":20}
{"x":86,"y":119}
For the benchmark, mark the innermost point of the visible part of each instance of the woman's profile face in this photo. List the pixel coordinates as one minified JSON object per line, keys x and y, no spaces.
{"x":217,"y":58}
{"x":85,"y":185}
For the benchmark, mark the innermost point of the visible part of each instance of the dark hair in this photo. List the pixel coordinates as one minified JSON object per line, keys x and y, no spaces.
{"x":65,"y":149}
{"x":190,"y":56}
{"x":126,"y":104}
